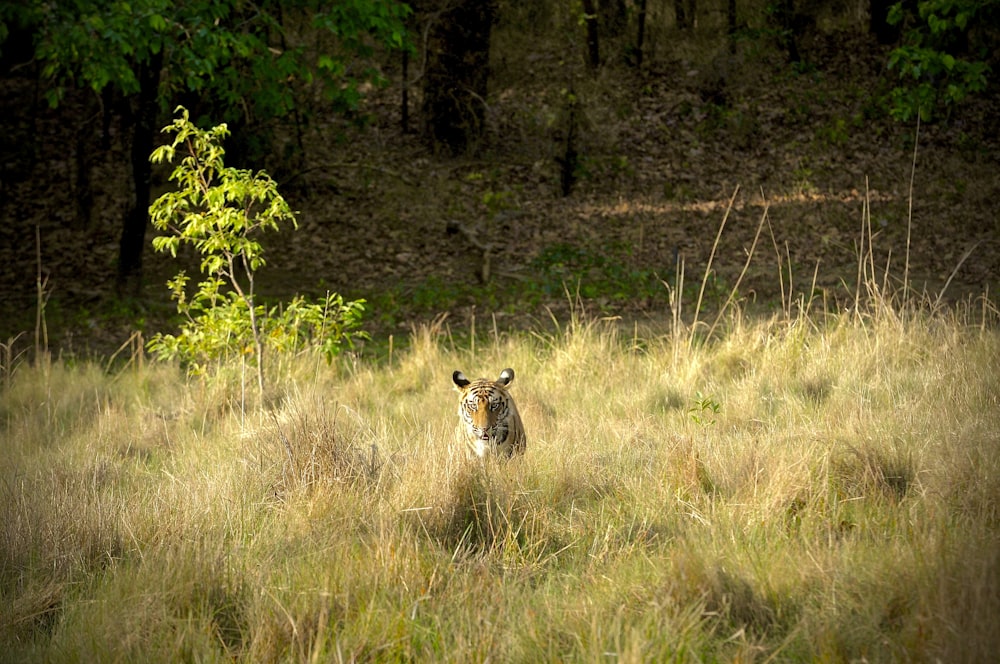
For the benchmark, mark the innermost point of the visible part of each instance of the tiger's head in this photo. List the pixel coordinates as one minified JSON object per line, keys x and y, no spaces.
{"x":488,"y":421}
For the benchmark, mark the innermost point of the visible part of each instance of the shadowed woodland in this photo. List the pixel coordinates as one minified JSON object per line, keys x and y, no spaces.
{"x":465,"y":156}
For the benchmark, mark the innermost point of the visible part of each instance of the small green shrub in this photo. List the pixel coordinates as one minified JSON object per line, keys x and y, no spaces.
{"x":704,"y":410}
{"x":221,"y":211}
{"x":595,"y":275}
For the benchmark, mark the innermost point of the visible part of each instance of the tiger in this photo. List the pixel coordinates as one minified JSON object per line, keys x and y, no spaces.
{"x":488,"y":421}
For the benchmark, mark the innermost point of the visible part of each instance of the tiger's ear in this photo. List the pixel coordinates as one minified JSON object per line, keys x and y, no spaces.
{"x":460,"y":380}
{"x":506,"y":376}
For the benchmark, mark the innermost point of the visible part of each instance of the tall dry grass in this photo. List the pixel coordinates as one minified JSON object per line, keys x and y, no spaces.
{"x":822,"y":485}
{"x":810,"y":487}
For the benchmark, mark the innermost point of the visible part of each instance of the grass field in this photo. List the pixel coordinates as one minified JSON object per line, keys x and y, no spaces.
{"x":805,"y":488}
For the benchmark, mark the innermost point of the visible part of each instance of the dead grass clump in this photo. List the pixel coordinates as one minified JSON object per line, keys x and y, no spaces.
{"x":815,"y":390}
{"x":293,"y":633}
{"x":872,"y":471}
{"x":67,"y":522}
{"x":730,"y":595}
{"x":574,"y":488}
{"x":821,"y":491}
{"x":728,"y":599}
{"x":32,"y":612}
{"x":45,"y":402}
{"x":665,"y":400}
{"x":687,"y":469}
{"x":216,"y":592}
{"x":480,"y":512}
{"x":323,"y":444}
{"x":729,"y":364}
{"x":962,"y":606}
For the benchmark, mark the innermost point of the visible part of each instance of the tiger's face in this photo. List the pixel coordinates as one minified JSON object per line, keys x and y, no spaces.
{"x":488,"y":421}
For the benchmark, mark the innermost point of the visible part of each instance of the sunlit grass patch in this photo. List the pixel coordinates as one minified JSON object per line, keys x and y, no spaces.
{"x":790,"y":489}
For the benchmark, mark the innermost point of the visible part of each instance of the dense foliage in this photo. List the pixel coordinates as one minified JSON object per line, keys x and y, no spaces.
{"x":243,"y":54}
{"x":938,"y":63}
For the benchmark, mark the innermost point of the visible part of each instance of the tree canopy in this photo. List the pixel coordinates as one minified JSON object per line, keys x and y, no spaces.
{"x":937,"y":63}
{"x":243,"y":53}
{"x":245,"y":60}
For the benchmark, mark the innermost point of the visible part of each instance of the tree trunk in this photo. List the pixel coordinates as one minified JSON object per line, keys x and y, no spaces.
{"x":83,"y":192}
{"x":133,"y":238}
{"x":684,"y":13}
{"x":680,"y":15}
{"x":457,"y":73}
{"x":731,"y":25}
{"x":593,"y":42}
{"x":640,"y":35}
{"x":570,"y":158}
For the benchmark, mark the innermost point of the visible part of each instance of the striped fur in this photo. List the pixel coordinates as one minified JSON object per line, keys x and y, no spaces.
{"x":488,"y":421}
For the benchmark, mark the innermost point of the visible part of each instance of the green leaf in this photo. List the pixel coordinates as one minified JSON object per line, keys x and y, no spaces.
{"x":326,"y":62}
{"x":895,"y":15}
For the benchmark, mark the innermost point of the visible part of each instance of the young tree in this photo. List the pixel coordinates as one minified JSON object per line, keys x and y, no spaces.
{"x":152,"y":51}
{"x":787,"y":22}
{"x":222,"y":212}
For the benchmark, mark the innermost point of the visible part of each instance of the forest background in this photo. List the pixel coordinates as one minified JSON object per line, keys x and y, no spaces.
{"x":591,"y":145}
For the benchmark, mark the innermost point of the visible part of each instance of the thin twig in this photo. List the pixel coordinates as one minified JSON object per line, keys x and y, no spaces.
{"x":791,"y":278}
{"x":739,"y":280}
{"x":812,"y":291}
{"x":41,"y":299}
{"x":777,"y":252}
{"x":909,"y":214}
{"x":708,"y":267}
{"x":961,"y":260}
{"x":284,"y":440}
